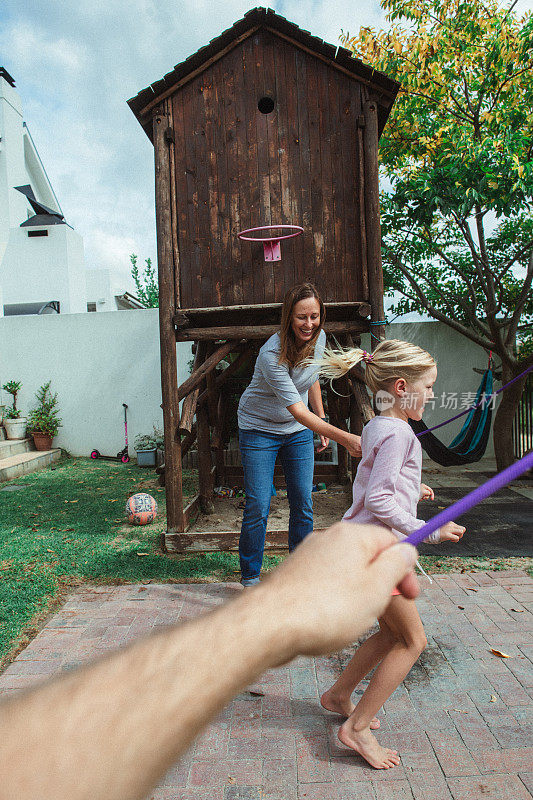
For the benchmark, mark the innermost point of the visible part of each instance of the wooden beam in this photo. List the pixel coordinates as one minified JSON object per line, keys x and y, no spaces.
{"x":192,"y":508}
{"x":211,"y":397}
{"x":191,"y":75}
{"x":259,"y":331}
{"x":209,"y":364}
{"x":167,"y":309}
{"x":363,"y":401}
{"x":231,"y":370}
{"x":335,"y":419}
{"x":219,"y":541}
{"x":188,"y":408}
{"x":359,"y":306}
{"x":205,"y":476}
{"x":372,"y":215}
{"x":334,"y":64}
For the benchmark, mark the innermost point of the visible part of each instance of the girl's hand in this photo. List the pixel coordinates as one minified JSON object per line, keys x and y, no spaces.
{"x":324,"y":441}
{"x":451,"y":532}
{"x":353,"y":445}
{"x":426,"y":492}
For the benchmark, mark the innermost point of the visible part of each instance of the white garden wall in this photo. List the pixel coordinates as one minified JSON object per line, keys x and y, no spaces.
{"x":98,"y":361}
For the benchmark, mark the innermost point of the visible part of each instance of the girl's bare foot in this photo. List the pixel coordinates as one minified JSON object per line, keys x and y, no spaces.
{"x":332,"y":703}
{"x":366,"y":744}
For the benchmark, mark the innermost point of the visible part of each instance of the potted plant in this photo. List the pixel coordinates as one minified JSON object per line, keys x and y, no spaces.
{"x":14,"y":423}
{"x":44,"y":420}
{"x":146,"y":446}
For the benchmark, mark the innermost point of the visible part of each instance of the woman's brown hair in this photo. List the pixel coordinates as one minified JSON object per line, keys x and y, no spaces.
{"x":288,"y":351}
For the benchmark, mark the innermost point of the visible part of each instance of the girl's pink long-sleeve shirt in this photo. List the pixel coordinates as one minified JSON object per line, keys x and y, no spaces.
{"x":386,"y":489}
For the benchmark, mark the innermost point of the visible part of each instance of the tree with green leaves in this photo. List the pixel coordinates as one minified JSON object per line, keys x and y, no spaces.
{"x":457,"y":153}
{"x":145,"y":282}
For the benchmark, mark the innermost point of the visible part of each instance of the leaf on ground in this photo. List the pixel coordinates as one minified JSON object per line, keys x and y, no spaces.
{"x":461,"y":607}
{"x":518,"y":610}
{"x":143,"y":554}
{"x":493,"y":698}
{"x":470,"y":589}
{"x":499,"y":653}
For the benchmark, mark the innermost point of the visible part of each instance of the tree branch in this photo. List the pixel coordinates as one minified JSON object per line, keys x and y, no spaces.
{"x":510,"y":78}
{"x":451,"y":323}
{"x":515,"y":319}
{"x":472,"y":317}
{"x":522,"y":251}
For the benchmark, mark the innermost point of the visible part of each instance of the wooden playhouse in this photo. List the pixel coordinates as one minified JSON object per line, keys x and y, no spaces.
{"x":266,"y":125}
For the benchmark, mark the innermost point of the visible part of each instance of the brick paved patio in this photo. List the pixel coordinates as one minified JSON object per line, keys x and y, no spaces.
{"x":462,"y":721}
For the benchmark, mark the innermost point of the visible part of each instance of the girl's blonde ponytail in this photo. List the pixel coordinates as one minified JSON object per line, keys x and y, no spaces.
{"x":391,"y":359}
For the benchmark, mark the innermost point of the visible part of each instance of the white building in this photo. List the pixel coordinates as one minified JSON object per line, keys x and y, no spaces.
{"x":42,"y":267}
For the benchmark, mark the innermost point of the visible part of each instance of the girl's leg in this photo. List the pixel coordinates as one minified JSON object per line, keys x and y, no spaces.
{"x":403,"y":620}
{"x":258,"y":456}
{"x":371,"y":652}
{"x":297,"y":456}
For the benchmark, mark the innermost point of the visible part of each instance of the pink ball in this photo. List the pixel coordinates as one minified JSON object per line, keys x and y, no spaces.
{"x":141,"y":509}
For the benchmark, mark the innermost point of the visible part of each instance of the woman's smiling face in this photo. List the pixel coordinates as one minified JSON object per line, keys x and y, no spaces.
{"x":305,"y":320}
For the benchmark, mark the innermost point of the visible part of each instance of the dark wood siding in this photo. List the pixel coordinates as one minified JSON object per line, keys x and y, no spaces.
{"x":237,"y":168}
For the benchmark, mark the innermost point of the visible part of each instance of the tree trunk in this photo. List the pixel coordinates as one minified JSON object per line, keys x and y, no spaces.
{"x":502,"y":432}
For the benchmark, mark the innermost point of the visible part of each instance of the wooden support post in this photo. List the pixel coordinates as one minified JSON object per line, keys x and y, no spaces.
{"x":365,"y":412}
{"x":188,"y":408}
{"x":218,"y":440}
{"x":211,"y":398}
{"x":189,"y":440}
{"x":335,"y":419}
{"x":167,"y":336}
{"x":205,"y":475}
{"x":363,"y":401}
{"x":372,"y":216}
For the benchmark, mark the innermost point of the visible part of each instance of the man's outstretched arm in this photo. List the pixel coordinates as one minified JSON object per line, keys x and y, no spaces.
{"x":110,"y":730}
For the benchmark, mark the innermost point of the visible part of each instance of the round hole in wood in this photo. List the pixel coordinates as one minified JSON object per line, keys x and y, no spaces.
{"x":266,"y":105}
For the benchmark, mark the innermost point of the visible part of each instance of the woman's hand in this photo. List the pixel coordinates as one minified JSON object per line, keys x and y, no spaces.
{"x":426,"y":492}
{"x":451,"y":532}
{"x":350,"y":441}
{"x":324,"y":441}
{"x":353,"y":445}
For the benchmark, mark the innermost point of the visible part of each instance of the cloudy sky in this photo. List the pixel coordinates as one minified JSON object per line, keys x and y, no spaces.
{"x":77,"y":63}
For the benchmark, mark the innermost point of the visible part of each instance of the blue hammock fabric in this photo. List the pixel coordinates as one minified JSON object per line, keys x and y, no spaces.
{"x":471,"y":442}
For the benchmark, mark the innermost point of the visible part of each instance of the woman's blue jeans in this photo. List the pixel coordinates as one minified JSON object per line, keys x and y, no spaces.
{"x":258,"y":455}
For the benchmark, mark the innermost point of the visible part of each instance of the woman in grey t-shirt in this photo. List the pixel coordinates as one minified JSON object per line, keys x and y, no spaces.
{"x":274,"y":418}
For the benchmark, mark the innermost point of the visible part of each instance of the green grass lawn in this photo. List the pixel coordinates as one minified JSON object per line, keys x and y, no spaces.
{"x":67,"y":525}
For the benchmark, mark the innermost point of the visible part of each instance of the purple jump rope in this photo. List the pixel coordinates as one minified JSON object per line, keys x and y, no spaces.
{"x":472,"y":499}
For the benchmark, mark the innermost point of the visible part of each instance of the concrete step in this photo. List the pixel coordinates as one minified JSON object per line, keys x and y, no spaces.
{"x":23,"y":463}
{"x":2,"y":433}
{"x":12,"y":447}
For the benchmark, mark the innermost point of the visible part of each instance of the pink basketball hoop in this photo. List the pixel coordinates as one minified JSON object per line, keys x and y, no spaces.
{"x":271,"y":244}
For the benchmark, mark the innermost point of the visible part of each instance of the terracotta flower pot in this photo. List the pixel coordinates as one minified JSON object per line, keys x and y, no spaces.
{"x":42,"y":441}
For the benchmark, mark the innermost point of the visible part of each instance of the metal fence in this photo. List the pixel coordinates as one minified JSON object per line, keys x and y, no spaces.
{"x":523,"y":421}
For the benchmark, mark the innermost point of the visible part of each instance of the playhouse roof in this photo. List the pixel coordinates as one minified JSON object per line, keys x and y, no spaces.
{"x":255,"y":19}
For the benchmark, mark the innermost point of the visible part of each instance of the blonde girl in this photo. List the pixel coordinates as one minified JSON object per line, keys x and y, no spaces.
{"x":386,"y":491}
